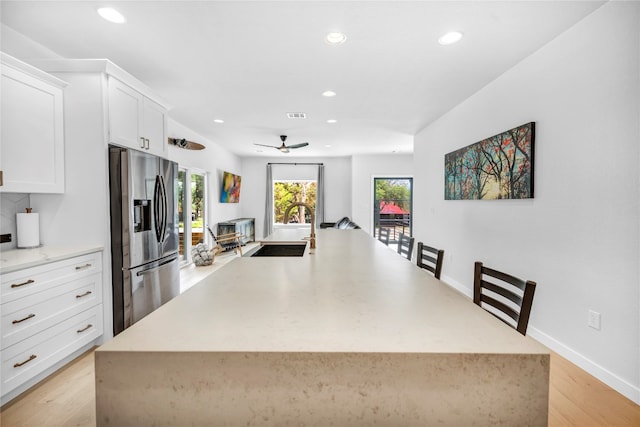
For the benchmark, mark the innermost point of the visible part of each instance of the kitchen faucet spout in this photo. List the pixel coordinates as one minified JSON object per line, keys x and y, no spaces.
{"x":312,"y":238}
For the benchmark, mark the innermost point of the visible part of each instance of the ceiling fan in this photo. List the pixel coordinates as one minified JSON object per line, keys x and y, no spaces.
{"x":285,"y":148}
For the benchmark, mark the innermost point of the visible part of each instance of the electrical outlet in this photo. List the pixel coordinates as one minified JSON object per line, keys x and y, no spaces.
{"x":4,"y":238}
{"x":594,"y":320}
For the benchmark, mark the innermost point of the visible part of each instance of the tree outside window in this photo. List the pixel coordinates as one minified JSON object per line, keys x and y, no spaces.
{"x":287,"y":192}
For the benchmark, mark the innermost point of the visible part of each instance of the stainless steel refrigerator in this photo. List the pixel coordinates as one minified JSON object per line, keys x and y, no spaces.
{"x":144,"y":234}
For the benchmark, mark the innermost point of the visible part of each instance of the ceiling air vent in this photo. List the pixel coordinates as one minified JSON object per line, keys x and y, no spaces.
{"x":296,"y":115}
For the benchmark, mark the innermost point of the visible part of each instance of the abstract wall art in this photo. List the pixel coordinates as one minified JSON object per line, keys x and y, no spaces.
{"x":499,"y":167}
{"x":230,"y":191}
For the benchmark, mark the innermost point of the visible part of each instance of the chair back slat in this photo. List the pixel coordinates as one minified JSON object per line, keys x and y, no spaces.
{"x":519,"y":283}
{"x":515,"y":305}
{"x":405,"y":245}
{"x":500,"y":306}
{"x":504,"y":292}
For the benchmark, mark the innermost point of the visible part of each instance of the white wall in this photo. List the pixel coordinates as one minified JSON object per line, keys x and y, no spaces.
{"x":213,"y":160}
{"x":364,"y":169}
{"x":337,"y":184}
{"x":579,"y":237}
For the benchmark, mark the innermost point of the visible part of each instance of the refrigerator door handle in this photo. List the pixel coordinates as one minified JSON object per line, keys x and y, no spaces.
{"x":154,"y":268}
{"x":163,"y":190}
{"x":157,"y":202}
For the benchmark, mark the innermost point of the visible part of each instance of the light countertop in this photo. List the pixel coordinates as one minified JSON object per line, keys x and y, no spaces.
{"x":351,"y":295}
{"x":18,"y":259}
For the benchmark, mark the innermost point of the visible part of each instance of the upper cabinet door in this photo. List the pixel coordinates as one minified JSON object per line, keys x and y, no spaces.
{"x":32,"y":123}
{"x":155,"y":127}
{"x":125,"y":115}
{"x":134,"y":120}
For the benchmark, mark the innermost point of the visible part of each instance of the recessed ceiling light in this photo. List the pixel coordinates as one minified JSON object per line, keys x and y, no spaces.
{"x":328,"y":93}
{"x":331,"y":121}
{"x":328,"y":145}
{"x":218,"y":121}
{"x":111,"y":15}
{"x":450,"y":38}
{"x":335,"y":38}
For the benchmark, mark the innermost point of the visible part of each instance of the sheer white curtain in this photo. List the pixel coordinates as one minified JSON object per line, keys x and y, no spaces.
{"x":320,"y":196}
{"x":268,"y":206}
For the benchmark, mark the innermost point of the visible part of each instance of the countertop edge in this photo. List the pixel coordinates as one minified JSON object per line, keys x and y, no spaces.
{"x":19,"y":259}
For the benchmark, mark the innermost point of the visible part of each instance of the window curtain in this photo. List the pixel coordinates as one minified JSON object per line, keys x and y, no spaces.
{"x":320,"y":197}
{"x":268,"y":206}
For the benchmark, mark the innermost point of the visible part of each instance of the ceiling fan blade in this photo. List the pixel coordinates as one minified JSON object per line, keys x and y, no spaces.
{"x":263,"y":145}
{"x":302,"y":144}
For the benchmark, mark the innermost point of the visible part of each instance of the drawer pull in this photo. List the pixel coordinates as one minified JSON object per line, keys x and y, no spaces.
{"x":17,"y":365}
{"x":83,"y":295}
{"x":82,"y":267}
{"x":26,"y":318}
{"x":28,"y":282}
{"x":85,"y":328}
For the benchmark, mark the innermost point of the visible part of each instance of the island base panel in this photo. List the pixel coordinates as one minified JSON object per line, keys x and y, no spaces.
{"x":354,"y":389}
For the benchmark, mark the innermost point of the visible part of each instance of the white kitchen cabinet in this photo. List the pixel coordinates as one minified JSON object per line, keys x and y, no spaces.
{"x":49,"y":311}
{"x":32,"y":144}
{"x":136,"y":121}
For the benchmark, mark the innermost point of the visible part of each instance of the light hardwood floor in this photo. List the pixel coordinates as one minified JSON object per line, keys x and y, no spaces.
{"x":67,"y":399}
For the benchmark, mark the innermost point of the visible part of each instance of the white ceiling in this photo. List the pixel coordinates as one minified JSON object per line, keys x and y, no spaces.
{"x":251,"y":62}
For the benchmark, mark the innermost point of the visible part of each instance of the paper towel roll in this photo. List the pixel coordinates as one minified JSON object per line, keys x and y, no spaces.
{"x":28,"y":230}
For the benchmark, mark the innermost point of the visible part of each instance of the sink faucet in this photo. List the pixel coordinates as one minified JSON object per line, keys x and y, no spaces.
{"x":312,"y":238}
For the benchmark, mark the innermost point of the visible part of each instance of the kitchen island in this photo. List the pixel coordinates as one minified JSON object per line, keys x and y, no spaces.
{"x":351,"y":334}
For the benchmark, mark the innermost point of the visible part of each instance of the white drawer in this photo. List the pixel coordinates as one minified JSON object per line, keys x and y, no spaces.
{"x":19,"y":284}
{"x":28,"y":358}
{"x":27,"y":316}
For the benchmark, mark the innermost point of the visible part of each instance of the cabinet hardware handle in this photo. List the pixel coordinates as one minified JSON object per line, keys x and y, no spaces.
{"x":23,"y":319}
{"x":28,"y":282}
{"x":141,"y":142}
{"x":83,"y":295}
{"x":82,"y":267}
{"x":146,"y":143}
{"x":85,"y":328}
{"x":17,"y":365}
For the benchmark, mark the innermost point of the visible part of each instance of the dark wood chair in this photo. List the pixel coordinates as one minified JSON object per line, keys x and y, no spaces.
{"x":405,"y":245}
{"x":430,"y":259}
{"x":383,"y":235}
{"x":508,"y":294}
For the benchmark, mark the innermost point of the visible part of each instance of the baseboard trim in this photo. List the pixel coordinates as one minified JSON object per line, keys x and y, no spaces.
{"x":609,"y":378}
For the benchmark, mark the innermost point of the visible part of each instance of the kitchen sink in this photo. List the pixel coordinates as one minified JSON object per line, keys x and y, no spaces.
{"x":280,"y":250}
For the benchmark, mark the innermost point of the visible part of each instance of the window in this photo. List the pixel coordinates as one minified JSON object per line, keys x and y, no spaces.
{"x":191,"y":210}
{"x":287,"y":192}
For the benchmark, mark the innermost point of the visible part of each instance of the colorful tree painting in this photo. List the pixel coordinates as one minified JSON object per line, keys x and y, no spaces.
{"x":499,"y":167}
